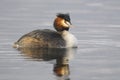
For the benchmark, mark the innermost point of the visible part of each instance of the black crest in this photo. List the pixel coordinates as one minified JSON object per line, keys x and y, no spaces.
{"x":64,"y":16}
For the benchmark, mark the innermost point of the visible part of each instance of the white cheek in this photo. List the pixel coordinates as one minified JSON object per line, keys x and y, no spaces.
{"x":65,"y":24}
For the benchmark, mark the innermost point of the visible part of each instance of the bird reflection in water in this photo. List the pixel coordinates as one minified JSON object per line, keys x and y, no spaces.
{"x":60,"y":55}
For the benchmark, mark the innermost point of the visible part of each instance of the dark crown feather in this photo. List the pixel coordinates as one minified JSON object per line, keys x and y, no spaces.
{"x":64,"y":16}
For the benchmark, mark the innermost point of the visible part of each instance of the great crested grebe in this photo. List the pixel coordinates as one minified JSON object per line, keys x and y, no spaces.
{"x":49,"y":38}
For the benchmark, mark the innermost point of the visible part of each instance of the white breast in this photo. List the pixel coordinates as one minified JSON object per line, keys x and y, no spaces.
{"x":70,"y":39}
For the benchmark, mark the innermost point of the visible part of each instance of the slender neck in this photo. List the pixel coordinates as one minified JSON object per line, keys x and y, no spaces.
{"x":63,"y":29}
{"x":63,"y":32}
{"x":69,"y":38}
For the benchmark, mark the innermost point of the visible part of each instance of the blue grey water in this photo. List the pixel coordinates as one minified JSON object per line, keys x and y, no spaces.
{"x":96,"y":26}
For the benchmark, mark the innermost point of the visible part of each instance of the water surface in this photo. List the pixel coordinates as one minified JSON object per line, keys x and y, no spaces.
{"x":97,"y":28}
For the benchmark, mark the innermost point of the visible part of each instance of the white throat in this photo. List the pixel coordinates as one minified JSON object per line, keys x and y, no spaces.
{"x":70,"y":39}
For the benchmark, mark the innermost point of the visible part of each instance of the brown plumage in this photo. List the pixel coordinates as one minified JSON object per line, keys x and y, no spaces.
{"x":46,"y":38}
{"x":41,"y":38}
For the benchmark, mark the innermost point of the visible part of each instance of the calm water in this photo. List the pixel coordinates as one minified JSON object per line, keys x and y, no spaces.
{"x":97,"y":27}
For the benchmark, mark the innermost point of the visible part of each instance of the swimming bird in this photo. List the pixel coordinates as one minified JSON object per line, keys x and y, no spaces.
{"x":46,"y":38}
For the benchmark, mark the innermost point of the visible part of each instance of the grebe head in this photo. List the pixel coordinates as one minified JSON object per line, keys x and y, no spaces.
{"x":62,"y":22}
